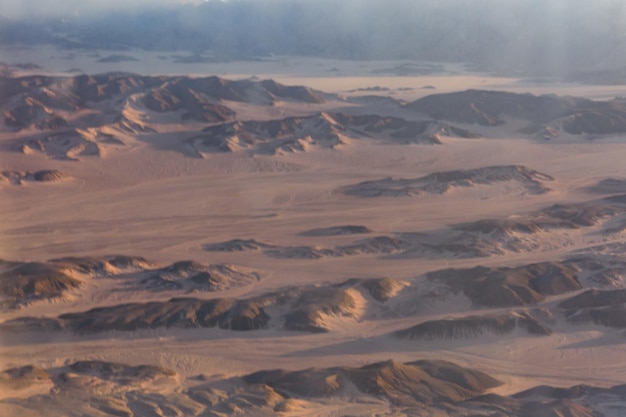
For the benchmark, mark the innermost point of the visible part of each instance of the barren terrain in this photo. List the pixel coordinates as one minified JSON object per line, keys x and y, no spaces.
{"x":305,"y":243}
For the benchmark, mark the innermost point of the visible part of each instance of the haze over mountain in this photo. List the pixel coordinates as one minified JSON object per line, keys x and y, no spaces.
{"x":568,"y":38}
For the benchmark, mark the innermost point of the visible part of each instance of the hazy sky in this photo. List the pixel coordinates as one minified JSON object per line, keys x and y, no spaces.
{"x":25,"y":8}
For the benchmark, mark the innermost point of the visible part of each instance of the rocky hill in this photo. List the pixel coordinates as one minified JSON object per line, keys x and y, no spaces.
{"x":547,"y":115}
{"x":442,"y":182}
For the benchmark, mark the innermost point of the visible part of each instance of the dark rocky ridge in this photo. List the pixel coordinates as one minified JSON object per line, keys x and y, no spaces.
{"x":71,"y":93}
{"x":558,"y":216}
{"x":475,"y":326}
{"x":608,"y":186}
{"x":325,"y":130}
{"x":199,"y":97}
{"x":104,"y":264}
{"x":69,"y":144}
{"x":122,"y":372}
{"x":19,"y":177}
{"x":369,"y":246}
{"x":192,"y":276}
{"x":139,"y":274}
{"x":338,"y":231}
{"x":237,"y":245}
{"x":24,"y":282}
{"x":315,"y":309}
{"x":522,"y":233}
{"x":595,"y":298}
{"x":379,"y":245}
{"x":492,"y":108}
{"x":380,"y":289}
{"x":300,"y":308}
{"x":42,"y":102}
{"x":93,"y":387}
{"x":310,"y":308}
{"x":602,"y":307}
{"x":442,"y":182}
{"x":193,"y":105}
{"x":510,"y":287}
{"x":609,"y":316}
{"x":271,"y":137}
{"x":401,"y":130}
{"x":487,"y":107}
{"x":410,"y":384}
{"x":23,"y":377}
{"x":482,"y":238}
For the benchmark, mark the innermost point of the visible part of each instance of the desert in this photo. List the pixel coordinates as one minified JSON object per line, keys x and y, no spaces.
{"x":191,"y":234}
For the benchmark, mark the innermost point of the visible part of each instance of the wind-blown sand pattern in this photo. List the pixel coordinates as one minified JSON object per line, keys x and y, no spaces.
{"x":369,"y":248}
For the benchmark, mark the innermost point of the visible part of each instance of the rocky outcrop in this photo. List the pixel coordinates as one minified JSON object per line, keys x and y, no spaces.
{"x":24,"y":282}
{"x":404,"y":384}
{"x":338,"y":231}
{"x":547,"y":114}
{"x":475,"y":326}
{"x":509,"y":287}
{"x":443,"y":182}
